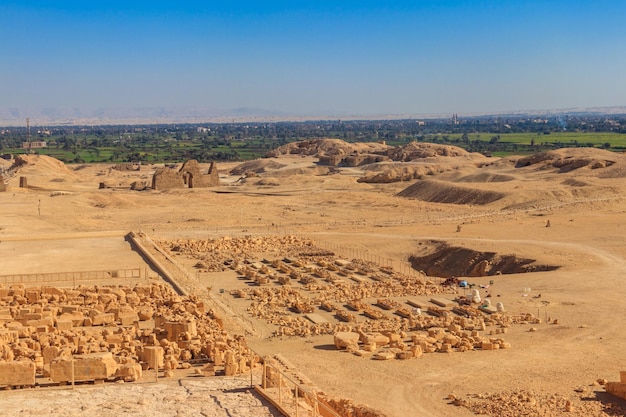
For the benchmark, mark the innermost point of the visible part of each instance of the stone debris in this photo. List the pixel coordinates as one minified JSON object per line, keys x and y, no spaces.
{"x":534,"y":404}
{"x":108,"y":332}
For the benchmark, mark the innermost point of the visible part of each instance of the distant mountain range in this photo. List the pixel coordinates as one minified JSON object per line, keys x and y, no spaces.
{"x":56,"y":116}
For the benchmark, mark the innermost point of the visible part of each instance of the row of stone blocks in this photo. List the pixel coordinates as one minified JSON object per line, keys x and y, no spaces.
{"x":90,"y":367}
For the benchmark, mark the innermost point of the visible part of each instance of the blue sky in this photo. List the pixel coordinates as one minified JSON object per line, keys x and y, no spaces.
{"x":314,"y":57}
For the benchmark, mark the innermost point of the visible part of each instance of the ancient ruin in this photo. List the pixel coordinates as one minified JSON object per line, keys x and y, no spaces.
{"x":107,"y":333}
{"x":188,"y":176}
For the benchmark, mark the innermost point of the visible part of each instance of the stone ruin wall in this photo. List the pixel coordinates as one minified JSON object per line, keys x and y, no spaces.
{"x":188,"y":176}
{"x":111,"y":333}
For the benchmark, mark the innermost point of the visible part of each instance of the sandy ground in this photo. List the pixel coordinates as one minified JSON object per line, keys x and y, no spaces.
{"x":64,"y":223}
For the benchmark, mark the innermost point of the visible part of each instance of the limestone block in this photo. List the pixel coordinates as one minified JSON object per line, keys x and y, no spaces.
{"x":153,"y":356}
{"x":76,"y":317}
{"x":343,"y":340}
{"x":70,"y":309}
{"x":174,"y":329}
{"x":377,"y":338}
{"x":445,"y":348}
{"x":50,"y":353}
{"x":451,"y":340}
{"x":32,"y":296}
{"x":51,"y":291}
{"x":417,"y":351}
{"x":407,"y":354}
{"x":17,"y":373}
{"x":384,"y":356}
{"x":47,"y":322}
{"x":8,"y":336}
{"x":616,"y":388}
{"x":89,"y":367}
{"x":64,"y":324}
{"x":489,"y":346}
{"x":103,"y":319}
{"x":370,"y":347}
{"x":393,"y":337}
{"x":129,"y":372}
{"x":127,"y":318}
{"x":230,"y":367}
{"x":208,"y":370}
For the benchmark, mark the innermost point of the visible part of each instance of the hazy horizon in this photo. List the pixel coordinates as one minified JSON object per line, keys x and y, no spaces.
{"x":67,"y":59}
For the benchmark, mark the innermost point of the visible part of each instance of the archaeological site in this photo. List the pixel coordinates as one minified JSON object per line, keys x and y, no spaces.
{"x":328,"y":279}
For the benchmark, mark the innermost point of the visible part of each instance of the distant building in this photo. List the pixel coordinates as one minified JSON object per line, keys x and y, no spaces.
{"x":37,"y":144}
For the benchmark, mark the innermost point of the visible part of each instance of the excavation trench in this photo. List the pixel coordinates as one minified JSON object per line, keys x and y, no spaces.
{"x":452,"y":261}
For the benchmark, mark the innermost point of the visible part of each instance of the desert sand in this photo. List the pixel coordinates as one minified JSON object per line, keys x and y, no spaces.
{"x":64,"y":222}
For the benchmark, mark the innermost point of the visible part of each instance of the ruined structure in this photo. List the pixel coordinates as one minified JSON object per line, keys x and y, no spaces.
{"x":108,"y":333}
{"x":188,"y":176}
{"x":617,"y":388}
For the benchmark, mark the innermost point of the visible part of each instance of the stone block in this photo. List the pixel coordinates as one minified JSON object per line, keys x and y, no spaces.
{"x":48,"y":322}
{"x":622,"y":376}
{"x":64,"y":325}
{"x":127,"y":318}
{"x":76,"y":318}
{"x":90,"y":367}
{"x":174,"y":329}
{"x":103,"y":319}
{"x":51,"y":290}
{"x":153,"y":356}
{"x":616,"y":388}
{"x":489,"y":346}
{"x":407,"y":354}
{"x":344,"y":340}
{"x":17,"y":373}
{"x":384,"y":356}
{"x":377,"y":338}
{"x":129,"y":372}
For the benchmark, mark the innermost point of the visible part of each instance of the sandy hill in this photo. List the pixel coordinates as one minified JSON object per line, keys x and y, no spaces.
{"x":421,"y":150}
{"x":257,"y":166}
{"x":569,"y":159}
{"x":42,"y":165}
{"x":320,"y":147}
{"x":441,"y":192}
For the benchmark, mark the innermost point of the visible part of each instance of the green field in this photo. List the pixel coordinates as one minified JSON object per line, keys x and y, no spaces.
{"x":157,"y":149}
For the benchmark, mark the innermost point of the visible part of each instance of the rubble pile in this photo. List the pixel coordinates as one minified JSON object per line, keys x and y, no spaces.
{"x":217,"y":254}
{"x":533,"y":404}
{"x":109,"y":332}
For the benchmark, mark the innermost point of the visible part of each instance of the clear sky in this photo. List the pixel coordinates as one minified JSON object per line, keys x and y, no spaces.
{"x":314,"y":57}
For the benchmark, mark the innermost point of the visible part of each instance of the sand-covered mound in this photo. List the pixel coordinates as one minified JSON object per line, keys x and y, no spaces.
{"x":486,"y":177}
{"x":569,"y":159}
{"x":384,"y":173}
{"x":258,"y":166}
{"x":320,"y":147}
{"x":441,"y":192}
{"x":420,"y":150}
{"x":42,"y":165}
{"x":5,"y":163}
